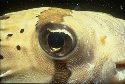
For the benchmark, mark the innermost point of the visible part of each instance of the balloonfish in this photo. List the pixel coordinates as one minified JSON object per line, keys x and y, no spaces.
{"x":55,"y":45}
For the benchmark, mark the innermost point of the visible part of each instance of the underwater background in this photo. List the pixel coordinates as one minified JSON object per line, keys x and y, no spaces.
{"x":113,"y":7}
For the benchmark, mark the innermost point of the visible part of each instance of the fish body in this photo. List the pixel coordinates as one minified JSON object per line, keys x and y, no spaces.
{"x":99,"y":47}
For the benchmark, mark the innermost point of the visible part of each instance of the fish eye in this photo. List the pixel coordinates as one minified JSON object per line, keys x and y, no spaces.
{"x":57,"y":40}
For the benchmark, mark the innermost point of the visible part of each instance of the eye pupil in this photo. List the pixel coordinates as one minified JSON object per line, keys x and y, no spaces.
{"x":56,"y":39}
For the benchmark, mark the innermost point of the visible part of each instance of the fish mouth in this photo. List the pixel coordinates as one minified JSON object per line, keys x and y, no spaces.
{"x":119,"y":77}
{"x":120,"y":66}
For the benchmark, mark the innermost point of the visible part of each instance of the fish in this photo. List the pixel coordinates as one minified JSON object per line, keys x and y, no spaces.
{"x":56,"y":45}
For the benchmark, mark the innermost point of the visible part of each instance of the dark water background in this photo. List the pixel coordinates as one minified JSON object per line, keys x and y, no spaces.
{"x":113,"y":7}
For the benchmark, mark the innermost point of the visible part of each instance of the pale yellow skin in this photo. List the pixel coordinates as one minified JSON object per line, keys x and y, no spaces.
{"x":100,"y":45}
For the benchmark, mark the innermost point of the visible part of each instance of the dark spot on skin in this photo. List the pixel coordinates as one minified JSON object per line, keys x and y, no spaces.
{"x":18,"y":47}
{"x":0,"y":40}
{"x":62,"y":73}
{"x":22,"y":30}
{"x":4,"y":17}
{"x":1,"y":57}
{"x":9,"y":35}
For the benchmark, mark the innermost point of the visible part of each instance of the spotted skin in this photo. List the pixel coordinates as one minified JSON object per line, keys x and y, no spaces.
{"x":99,"y":50}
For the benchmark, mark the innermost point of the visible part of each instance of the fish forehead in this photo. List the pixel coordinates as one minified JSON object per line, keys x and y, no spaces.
{"x":98,"y":36}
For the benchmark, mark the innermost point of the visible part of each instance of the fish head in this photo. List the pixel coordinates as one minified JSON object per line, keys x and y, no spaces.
{"x":61,"y":46}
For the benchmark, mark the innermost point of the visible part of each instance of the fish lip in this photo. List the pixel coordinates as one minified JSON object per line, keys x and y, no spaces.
{"x":120,"y":66}
{"x":119,"y":77}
